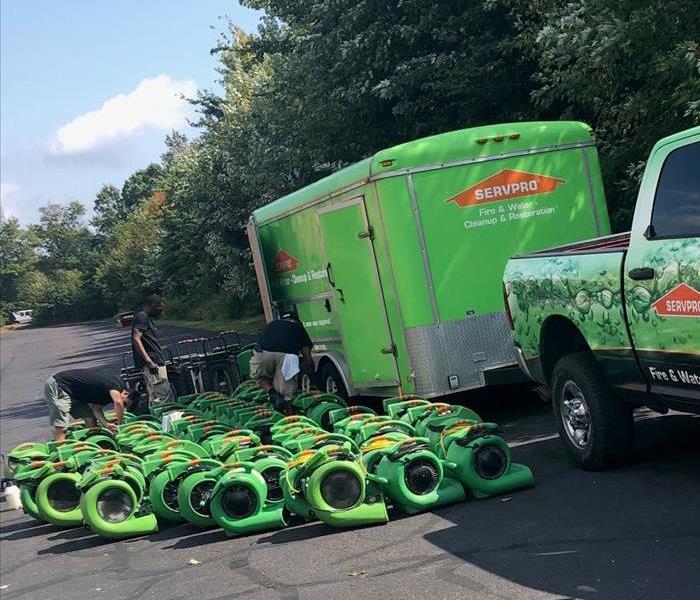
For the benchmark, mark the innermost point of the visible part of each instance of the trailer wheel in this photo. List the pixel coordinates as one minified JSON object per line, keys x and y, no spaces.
{"x":596,"y":427}
{"x":331,"y":381}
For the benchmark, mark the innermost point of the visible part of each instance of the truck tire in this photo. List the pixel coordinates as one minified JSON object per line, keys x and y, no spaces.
{"x":331,"y":381}
{"x":596,"y":427}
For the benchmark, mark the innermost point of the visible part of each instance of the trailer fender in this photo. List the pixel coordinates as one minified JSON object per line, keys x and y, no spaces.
{"x":340,"y":363}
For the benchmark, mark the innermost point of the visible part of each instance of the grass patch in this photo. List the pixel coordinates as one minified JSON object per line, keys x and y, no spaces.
{"x":251,"y":325}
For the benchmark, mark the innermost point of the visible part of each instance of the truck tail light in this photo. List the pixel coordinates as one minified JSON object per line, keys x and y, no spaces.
{"x":509,"y":317}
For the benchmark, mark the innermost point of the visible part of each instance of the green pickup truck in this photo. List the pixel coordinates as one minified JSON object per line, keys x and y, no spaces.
{"x":613,"y":323}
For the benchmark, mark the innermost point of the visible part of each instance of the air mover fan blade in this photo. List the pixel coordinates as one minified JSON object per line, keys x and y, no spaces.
{"x":421,"y":476}
{"x":114,"y":505}
{"x":341,"y":489}
{"x":239,"y":501}
{"x":63,"y":496}
{"x":490,"y":461}
{"x":200,"y":496}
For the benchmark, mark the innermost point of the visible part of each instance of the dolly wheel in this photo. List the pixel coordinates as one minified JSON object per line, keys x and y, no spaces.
{"x":331,"y":381}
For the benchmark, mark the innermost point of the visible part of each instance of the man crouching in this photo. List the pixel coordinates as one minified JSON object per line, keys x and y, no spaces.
{"x":275,"y":361}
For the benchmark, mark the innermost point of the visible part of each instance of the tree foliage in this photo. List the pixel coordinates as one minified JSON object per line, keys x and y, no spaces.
{"x":324,"y":83}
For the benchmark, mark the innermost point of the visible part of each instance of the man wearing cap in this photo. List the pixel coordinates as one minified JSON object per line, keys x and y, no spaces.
{"x":83,"y":394}
{"x":275,"y":361}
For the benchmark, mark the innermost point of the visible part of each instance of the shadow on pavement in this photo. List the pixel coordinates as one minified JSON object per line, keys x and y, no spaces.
{"x":84,"y":543}
{"x":210,"y":536}
{"x":31,"y":532}
{"x":301,"y":532}
{"x":30,"y":410}
{"x":580,"y":533}
{"x":29,"y":524}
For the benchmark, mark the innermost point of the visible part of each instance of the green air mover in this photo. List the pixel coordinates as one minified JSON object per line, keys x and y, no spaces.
{"x":294,"y":432}
{"x":318,"y":407}
{"x":194,"y":496}
{"x":163,"y":489}
{"x":249,"y":497}
{"x":110,"y":501}
{"x":316,"y":440}
{"x":58,"y":499}
{"x":170,"y":445}
{"x":341,"y":416}
{"x":261,"y":422}
{"x":398,"y":407}
{"x":292,"y":421}
{"x":407,"y":472}
{"x":28,"y":475}
{"x":23,"y":454}
{"x":481,"y":460}
{"x":225,"y":447}
{"x":97,"y":435}
{"x":243,"y":363}
{"x":330,"y":484}
{"x":429,"y":420}
{"x":215,"y":442}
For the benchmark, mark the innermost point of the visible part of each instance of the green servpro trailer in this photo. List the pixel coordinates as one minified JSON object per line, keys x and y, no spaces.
{"x":394,"y":264}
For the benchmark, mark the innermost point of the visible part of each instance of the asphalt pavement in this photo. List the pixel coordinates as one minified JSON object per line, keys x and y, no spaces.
{"x":630,"y":533}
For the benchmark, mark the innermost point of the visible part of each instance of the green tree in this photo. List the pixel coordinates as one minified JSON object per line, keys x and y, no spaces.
{"x":64,"y":242}
{"x":108,"y":209}
{"x":125,"y":274}
{"x":630,"y":69}
{"x":141,"y":186}
{"x":17,"y":258}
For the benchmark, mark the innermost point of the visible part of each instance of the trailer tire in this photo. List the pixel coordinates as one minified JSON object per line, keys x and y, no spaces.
{"x":595,"y":426}
{"x":331,"y":381}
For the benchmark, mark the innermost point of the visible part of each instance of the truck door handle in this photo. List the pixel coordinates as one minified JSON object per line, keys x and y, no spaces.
{"x":641,"y":273}
{"x":329,"y":274}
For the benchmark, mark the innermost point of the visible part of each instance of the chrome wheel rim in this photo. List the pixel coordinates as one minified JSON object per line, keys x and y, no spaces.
{"x":575,"y":414}
{"x":305,"y":383}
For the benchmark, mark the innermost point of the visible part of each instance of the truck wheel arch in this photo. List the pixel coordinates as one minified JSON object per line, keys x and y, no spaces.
{"x":559,"y":336}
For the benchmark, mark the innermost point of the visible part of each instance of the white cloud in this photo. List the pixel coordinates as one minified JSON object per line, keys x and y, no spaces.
{"x":7,"y":190}
{"x":155,"y":103}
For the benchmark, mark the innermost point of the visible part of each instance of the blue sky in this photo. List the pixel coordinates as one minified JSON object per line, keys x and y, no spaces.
{"x":89,"y":89}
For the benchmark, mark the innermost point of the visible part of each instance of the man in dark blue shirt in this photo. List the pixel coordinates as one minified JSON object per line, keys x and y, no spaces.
{"x":281,"y":343}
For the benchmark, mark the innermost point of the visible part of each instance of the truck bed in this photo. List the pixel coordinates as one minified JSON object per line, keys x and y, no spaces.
{"x":617,"y":242}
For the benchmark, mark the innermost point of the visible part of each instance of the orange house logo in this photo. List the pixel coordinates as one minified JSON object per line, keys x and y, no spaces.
{"x":681,"y":301}
{"x":506,"y":185}
{"x":284,"y":262}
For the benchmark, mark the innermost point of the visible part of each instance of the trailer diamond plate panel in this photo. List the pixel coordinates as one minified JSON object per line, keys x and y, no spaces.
{"x":438,"y":352}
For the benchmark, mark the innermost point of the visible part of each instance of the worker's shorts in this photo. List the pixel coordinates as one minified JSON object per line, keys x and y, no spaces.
{"x":62,"y":409}
{"x":268,"y":365}
{"x":158,"y":387}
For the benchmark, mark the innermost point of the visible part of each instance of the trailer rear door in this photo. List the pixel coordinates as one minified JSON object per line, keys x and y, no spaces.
{"x":359,"y":301}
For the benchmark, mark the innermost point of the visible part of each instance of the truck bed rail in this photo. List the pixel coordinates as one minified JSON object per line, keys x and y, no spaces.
{"x":617,"y":242}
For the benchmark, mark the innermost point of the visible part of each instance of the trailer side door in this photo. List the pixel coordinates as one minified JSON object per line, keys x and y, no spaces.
{"x":359,"y":301}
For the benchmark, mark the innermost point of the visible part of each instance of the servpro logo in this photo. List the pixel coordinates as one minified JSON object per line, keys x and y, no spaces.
{"x":681,"y":301}
{"x":505,"y":185}
{"x":284,"y":262}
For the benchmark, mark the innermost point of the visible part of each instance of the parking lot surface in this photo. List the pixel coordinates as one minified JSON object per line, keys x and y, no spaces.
{"x":630,"y":533}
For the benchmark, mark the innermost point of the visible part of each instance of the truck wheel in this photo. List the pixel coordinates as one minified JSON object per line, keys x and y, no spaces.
{"x":596,"y":427}
{"x":331,"y":381}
